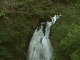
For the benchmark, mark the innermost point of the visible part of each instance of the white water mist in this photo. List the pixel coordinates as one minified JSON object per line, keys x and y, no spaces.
{"x":40,"y":47}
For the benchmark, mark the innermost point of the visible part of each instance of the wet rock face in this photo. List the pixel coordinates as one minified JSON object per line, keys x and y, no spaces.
{"x":44,"y":27}
{"x":44,"y":19}
{"x":42,"y":22}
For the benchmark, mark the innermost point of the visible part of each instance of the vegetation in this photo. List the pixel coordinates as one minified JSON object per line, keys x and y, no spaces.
{"x":19,"y":18}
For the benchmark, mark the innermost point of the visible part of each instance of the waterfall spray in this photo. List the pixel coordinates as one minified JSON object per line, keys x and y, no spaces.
{"x":40,"y":47}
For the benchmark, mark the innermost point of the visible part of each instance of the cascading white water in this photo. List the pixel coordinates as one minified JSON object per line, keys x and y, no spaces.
{"x":40,"y":47}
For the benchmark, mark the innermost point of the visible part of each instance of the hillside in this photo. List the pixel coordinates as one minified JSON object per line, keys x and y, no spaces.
{"x":19,"y":18}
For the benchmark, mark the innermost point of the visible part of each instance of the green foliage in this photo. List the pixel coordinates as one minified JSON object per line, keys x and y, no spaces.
{"x":70,"y":44}
{"x":14,"y":37}
{"x":2,"y":13}
{"x":67,"y":1}
{"x":16,"y":29}
{"x":31,"y":1}
{"x":65,"y":36}
{"x":4,"y":52}
{"x":17,"y":4}
{"x":57,"y":35}
{"x":66,"y":45}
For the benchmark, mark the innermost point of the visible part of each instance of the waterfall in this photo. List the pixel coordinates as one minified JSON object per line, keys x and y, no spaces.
{"x":40,"y":47}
